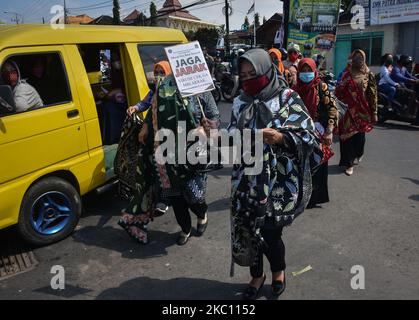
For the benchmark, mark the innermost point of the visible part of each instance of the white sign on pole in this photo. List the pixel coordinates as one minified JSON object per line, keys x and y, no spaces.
{"x":190,"y":69}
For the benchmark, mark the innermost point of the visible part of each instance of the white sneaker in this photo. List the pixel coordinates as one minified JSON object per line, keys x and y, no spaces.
{"x":161,"y":209}
{"x":349,"y":171}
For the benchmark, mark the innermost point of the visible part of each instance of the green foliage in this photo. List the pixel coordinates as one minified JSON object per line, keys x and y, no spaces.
{"x":116,"y":13}
{"x":153,"y":14}
{"x":207,"y":37}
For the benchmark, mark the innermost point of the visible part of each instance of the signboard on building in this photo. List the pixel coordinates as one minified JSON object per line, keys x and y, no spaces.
{"x":314,"y":22}
{"x":394,"y":11}
{"x":190,"y":69}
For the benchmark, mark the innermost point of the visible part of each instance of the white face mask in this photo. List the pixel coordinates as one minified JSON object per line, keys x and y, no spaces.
{"x":117,"y":65}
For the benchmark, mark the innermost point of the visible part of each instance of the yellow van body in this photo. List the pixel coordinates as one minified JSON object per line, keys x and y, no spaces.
{"x":46,"y":142}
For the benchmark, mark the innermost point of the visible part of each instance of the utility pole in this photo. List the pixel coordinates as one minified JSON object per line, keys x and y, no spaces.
{"x":65,"y":12}
{"x":16,"y":19}
{"x":254,"y":22}
{"x":227,"y":36}
{"x":286,"y":20}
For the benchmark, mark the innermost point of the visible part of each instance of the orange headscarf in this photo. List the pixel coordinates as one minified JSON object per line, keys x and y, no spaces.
{"x":278,"y":55}
{"x":165,"y":66}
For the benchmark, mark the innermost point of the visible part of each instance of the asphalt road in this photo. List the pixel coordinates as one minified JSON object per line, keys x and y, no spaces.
{"x":372,"y":221}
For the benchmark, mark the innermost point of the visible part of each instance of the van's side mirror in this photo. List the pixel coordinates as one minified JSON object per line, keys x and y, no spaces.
{"x":7,"y":103}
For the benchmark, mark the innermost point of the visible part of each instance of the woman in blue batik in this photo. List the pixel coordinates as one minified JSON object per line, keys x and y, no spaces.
{"x":263,"y":204}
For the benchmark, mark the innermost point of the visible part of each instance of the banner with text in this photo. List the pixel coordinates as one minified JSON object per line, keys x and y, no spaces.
{"x":394,"y":11}
{"x":190,"y":69}
{"x":313,"y":22}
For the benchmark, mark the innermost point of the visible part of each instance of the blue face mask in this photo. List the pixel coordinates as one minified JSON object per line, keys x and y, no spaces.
{"x":306,"y":77}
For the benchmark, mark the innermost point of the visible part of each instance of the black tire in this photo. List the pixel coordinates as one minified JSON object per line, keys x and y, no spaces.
{"x":227,"y":97}
{"x":216,"y":94}
{"x":381,"y":114}
{"x":39,"y":189}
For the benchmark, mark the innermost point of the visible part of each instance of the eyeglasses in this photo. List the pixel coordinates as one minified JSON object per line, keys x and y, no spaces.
{"x":159,"y":73}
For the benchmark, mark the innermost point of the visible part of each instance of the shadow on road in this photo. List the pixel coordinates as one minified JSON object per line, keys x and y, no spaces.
{"x":396,"y":126}
{"x":219,"y":205}
{"x":414,"y":197}
{"x":145,"y":288}
{"x":335,"y":170}
{"x":117,"y":240}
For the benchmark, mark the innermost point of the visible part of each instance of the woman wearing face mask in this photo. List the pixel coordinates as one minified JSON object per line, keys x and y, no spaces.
{"x":263,"y":203}
{"x":276,"y":57}
{"x":358,"y":90}
{"x":321,"y":104}
{"x":291,"y":64}
{"x":168,"y":183}
{"x":161,"y":70}
{"x":25,"y":96}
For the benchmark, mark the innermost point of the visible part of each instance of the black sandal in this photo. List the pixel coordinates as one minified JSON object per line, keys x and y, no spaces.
{"x":278,"y":287}
{"x":252,"y":293}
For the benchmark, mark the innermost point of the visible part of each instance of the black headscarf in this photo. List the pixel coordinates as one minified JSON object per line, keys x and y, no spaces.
{"x":256,"y":107}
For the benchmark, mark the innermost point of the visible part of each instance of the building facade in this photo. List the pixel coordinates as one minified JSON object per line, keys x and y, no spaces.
{"x":171,"y":15}
{"x":383,"y":33}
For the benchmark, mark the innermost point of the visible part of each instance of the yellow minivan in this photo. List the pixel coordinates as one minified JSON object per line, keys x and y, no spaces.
{"x":63,"y":100}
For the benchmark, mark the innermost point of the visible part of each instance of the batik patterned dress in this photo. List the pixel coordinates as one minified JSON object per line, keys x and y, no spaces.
{"x":286,"y":175}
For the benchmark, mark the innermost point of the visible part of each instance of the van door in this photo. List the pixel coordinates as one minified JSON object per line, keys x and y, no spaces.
{"x":40,"y":134}
{"x":114,"y":86}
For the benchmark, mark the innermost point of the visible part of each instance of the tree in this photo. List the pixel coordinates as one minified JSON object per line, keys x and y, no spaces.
{"x":246,"y":23}
{"x":264,"y":20}
{"x":116,"y":13}
{"x":141,"y":19}
{"x":346,"y":5}
{"x":221,"y":30}
{"x":207,"y":37}
{"x":190,"y":35}
{"x":153,"y":14}
{"x":257,"y":20}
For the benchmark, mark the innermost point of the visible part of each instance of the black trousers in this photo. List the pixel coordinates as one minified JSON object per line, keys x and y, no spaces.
{"x":351,"y":149}
{"x":320,"y":189}
{"x":274,"y":251}
{"x":182,"y":214}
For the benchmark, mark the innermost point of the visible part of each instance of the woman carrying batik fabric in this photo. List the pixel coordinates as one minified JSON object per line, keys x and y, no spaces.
{"x":321,"y":105}
{"x":357,"y":89}
{"x":262,"y":204}
{"x":178,"y":185}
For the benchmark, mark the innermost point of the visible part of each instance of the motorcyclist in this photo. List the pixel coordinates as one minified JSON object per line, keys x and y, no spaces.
{"x":235,"y":71}
{"x":387,"y":85}
{"x":408,"y":92}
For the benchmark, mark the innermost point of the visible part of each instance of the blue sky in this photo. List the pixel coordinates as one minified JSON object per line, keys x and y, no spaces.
{"x":34,"y":10}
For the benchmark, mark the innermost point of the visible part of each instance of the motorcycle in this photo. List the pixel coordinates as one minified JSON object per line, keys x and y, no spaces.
{"x":227,"y":86}
{"x":216,"y":93}
{"x":392,"y":111}
{"x":329,"y":79}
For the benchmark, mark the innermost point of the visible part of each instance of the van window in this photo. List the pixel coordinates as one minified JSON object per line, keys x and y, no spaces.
{"x":37,"y":80}
{"x":105,"y":71}
{"x":150,"y":55}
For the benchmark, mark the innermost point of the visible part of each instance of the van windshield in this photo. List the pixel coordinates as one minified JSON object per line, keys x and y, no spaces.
{"x":151,"y":54}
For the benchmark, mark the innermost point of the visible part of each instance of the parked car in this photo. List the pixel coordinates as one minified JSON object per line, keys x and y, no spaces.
{"x":54,"y":154}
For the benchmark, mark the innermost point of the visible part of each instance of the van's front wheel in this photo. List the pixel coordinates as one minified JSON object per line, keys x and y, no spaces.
{"x":50,"y":211}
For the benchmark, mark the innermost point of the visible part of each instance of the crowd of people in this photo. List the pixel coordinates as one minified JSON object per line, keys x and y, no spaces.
{"x":282,"y":95}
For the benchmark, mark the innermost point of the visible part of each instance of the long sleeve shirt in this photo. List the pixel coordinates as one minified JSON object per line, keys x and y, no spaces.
{"x":145,"y":104}
{"x":401,"y":76}
{"x":385,"y":77}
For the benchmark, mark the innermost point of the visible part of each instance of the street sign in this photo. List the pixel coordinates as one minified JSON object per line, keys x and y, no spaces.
{"x":190,"y":69}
